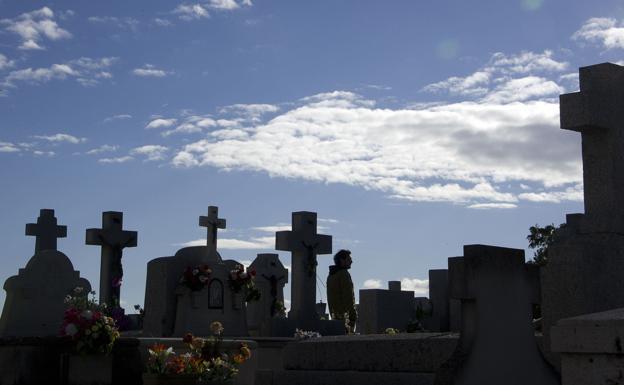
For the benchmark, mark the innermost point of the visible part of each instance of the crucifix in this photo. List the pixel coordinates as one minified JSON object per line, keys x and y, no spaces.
{"x":273,"y":290}
{"x":304,"y":244}
{"x":113,"y":240}
{"x":46,"y":231}
{"x":597,"y":112}
{"x":212,"y":222}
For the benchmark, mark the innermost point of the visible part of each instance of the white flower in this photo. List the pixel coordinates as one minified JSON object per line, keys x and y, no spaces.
{"x":203,"y":278}
{"x":68,"y":298}
{"x":86,"y":314}
{"x":195,"y":271}
{"x":71,"y":329}
{"x":78,"y":290}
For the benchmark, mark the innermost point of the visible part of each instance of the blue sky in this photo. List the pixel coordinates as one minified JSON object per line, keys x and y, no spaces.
{"x":411,"y":127}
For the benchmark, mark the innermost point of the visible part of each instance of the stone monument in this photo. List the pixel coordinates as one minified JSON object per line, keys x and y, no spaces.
{"x":497,"y":343}
{"x":305,"y":244}
{"x":271,"y":276}
{"x":381,"y":309}
{"x":34,"y":304}
{"x":173,"y":308}
{"x":586,"y":261}
{"x":112,"y":240}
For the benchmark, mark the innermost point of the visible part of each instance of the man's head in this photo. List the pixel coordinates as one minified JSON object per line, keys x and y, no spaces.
{"x":343,"y":258}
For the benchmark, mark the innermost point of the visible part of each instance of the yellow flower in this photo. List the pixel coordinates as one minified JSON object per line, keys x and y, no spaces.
{"x":245,"y":351}
{"x":238,"y":358}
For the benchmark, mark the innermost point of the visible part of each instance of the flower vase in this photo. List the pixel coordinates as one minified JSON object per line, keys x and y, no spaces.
{"x":89,"y":369}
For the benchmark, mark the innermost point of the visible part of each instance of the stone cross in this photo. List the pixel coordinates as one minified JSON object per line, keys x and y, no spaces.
{"x":597,"y":112}
{"x":113,"y":240}
{"x":46,"y":230}
{"x":212,"y":222}
{"x":304,"y":244}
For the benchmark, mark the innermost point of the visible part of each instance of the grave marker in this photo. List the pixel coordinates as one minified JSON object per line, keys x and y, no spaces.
{"x":46,"y":231}
{"x":112,"y":240}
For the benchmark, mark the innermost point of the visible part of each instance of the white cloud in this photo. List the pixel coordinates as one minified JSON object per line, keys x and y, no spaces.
{"x":103,"y":148}
{"x":261,"y":243}
{"x":420,"y":287}
{"x":493,"y":206}
{"x":120,"y":22}
{"x":5,"y":63}
{"x":223,"y":4}
{"x":8,"y":147}
{"x":190,"y":12}
{"x":273,"y":229}
{"x":85,"y":70}
{"x":149,"y":70}
{"x":32,"y":27}
{"x":151,"y":152}
{"x":43,"y":153}
{"x":526,"y":88}
{"x":527,"y":62}
{"x":192,"y":124}
{"x":250,"y":111}
{"x":161,"y":123}
{"x":117,"y":117}
{"x":574,"y":193}
{"x":475,"y":84}
{"x":603,"y":30}
{"x":372,"y":284}
{"x":461,"y":152}
{"x":162,"y":22}
{"x":59,"y":138}
{"x":121,"y":159}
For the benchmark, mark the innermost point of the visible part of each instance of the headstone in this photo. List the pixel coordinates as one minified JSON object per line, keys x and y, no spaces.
{"x":439,"y":320}
{"x":112,"y":240}
{"x":34,"y":304}
{"x":394,"y":285}
{"x":304,"y":244}
{"x":173,"y":309}
{"x":497,"y":343}
{"x":271,"y":276}
{"x":381,"y":309}
{"x":586,"y":259}
{"x":321,"y":310}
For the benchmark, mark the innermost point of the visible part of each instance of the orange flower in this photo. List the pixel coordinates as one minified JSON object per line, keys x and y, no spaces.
{"x":245,"y":351}
{"x":238,"y":358}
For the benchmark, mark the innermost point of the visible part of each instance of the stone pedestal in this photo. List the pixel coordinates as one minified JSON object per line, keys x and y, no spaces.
{"x":591,"y":348}
{"x":381,"y":309}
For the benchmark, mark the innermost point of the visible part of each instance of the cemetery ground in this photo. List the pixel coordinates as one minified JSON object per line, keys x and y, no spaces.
{"x":213,"y":321}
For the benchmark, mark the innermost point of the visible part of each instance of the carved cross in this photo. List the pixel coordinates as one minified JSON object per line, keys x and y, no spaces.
{"x":212,"y":222}
{"x":46,"y":231}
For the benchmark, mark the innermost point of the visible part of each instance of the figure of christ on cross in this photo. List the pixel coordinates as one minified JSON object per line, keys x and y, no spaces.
{"x":113,"y":240}
{"x":305,"y":244}
{"x":273,"y":282}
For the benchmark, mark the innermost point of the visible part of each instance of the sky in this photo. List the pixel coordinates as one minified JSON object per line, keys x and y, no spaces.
{"x":411,"y":127}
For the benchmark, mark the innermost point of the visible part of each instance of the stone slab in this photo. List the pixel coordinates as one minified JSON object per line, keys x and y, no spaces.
{"x":417,"y":352}
{"x":290,"y":377}
{"x":381,"y":309}
{"x":601,"y":332}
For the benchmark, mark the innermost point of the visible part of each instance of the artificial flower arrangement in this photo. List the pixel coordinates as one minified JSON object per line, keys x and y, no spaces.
{"x":195,"y":278}
{"x":240,"y":279}
{"x":205,"y":359}
{"x":88,"y":325}
{"x":306,"y":334}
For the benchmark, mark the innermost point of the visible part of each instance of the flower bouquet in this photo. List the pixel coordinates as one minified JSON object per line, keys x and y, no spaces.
{"x":195,"y":278}
{"x":205,"y":363}
{"x":88,"y":325}
{"x":240,"y":279}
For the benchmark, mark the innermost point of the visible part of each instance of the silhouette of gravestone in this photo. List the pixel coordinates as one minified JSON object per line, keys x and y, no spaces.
{"x":34,"y":304}
{"x":439,"y":320}
{"x":497,"y":344}
{"x":271,"y":276}
{"x":381,"y":309}
{"x":113,"y":240}
{"x":304,"y":244}
{"x":173,"y":309}
{"x":586,"y":260}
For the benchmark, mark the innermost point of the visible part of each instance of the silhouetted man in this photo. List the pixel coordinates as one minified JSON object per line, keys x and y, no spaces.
{"x":340,"y":296}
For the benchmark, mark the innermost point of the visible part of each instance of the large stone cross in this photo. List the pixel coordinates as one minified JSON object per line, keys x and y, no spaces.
{"x":46,"y":231}
{"x":304,"y":244}
{"x":113,"y":240}
{"x":212,"y":222}
{"x":597,"y":112}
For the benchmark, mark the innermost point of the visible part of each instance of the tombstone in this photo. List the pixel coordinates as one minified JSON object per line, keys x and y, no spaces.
{"x":304,"y":244}
{"x":112,"y":240}
{"x":34,"y":304}
{"x":586,"y":259}
{"x":271,"y":276}
{"x":321,"y":310}
{"x":381,"y":309}
{"x":173,"y":309}
{"x":497,"y":343}
{"x":439,"y":320}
